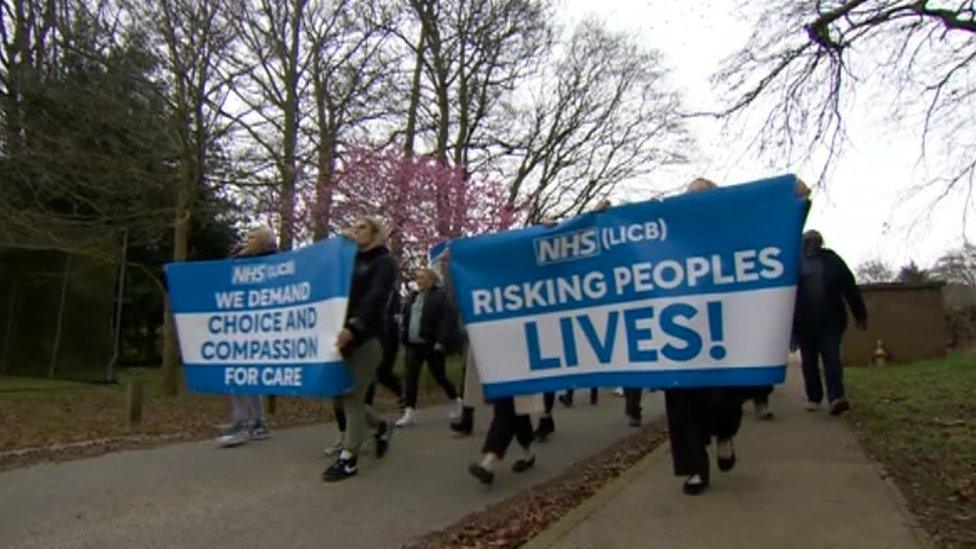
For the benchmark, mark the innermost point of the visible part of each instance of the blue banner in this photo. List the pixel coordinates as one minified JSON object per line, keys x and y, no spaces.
{"x":695,"y":290}
{"x":267,"y":324}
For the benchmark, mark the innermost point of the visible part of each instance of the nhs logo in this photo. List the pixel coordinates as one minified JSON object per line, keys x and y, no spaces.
{"x":566,"y":246}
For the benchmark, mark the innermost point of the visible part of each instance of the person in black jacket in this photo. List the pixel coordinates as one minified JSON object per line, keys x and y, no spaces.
{"x":820,"y":319}
{"x":373,"y":276}
{"x":428,"y":321}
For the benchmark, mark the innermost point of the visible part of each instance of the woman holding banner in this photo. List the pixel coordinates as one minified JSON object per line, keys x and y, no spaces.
{"x":374,"y":273}
{"x":695,"y":415}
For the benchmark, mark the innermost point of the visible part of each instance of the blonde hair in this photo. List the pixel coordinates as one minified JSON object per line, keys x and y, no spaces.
{"x":431,"y":272}
{"x":380,"y":234}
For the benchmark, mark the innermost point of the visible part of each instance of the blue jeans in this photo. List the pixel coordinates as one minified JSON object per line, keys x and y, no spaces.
{"x":826,"y":346}
{"x":246,"y":411}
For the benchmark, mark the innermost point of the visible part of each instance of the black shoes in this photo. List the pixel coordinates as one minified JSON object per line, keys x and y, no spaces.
{"x":382,"y":436}
{"x":725,"y":455}
{"x":839,"y":406}
{"x":340,"y":470}
{"x":522,"y":465}
{"x":566,"y":399}
{"x":695,"y":485}
{"x":465,"y":425}
{"x":546,"y":427}
{"x":480,"y":473}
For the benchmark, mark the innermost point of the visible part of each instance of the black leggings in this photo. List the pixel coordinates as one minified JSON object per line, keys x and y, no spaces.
{"x":384,"y":374}
{"x":694,"y":417}
{"x":506,"y":424}
{"x":416,"y":356}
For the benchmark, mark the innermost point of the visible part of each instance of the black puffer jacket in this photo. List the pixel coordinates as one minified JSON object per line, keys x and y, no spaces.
{"x":373,"y":275}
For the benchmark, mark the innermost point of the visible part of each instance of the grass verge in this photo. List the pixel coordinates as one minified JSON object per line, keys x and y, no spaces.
{"x":919,"y":421}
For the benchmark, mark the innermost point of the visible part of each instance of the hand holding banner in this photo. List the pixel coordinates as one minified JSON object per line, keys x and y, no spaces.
{"x":695,"y":290}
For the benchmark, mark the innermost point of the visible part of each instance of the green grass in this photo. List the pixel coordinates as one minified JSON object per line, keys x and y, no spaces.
{"x":919,"y":420}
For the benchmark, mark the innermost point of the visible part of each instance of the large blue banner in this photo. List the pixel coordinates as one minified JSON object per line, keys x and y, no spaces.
{"x":694,"y":290}
{"x":264,"y":325}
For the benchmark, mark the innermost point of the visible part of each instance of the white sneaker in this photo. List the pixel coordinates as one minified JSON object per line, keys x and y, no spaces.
{"x":812,"y":406}
{"x":335,"y":448}
{"x":235,"y":438}
{"x":407,"y":418}
{"x":619,"y":391}
{"x":454,"y":413}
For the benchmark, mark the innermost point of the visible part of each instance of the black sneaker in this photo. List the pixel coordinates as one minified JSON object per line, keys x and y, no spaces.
{"x":546,"y":427}
{"x":340,"y":470}
{"x":480,"y":473}
{"x":522,"y":465}
{"x":839,"y":406}
{"x":465,"y":425}
{"x":566,"y":400}
{"x":383,"y":436}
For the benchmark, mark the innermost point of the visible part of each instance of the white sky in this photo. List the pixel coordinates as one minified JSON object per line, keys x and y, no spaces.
{"x":867,"y":211}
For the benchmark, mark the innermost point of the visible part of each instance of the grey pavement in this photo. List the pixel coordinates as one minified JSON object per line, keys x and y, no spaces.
{"x":801,"y":480}
{"x":269,"y":493}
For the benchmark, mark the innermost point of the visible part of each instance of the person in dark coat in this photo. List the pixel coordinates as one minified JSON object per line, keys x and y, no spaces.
{"x":374,"y":273}
{"x":429,"y":321}
{"x":820,"y":319}
{"x":696,"y":415}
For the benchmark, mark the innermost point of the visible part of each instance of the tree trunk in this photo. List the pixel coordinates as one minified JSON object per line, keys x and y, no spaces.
{"x":414,"y":104}
{"x":171,"y":353}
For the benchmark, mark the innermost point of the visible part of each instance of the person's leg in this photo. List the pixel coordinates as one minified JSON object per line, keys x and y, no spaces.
{"x":238,"y":432}
{"x":566,"y":398}
{"x":594,"y":395}
{"x":340,"y":417}
{"x":384,"y":374}
{"x":689,"y":435}
{"x":414,"y":361}
{"x":436,"y":363}
{"x":362,"y":364}
{"x":500,"y":434}
{"x":547,"y":425}
{"x":810,"y":362}
{"x":258,"y":425}
{"x":522,"y":425}
{"x":632,"y":405}
{"x":760,"y":401}
{"x":833,"y":372}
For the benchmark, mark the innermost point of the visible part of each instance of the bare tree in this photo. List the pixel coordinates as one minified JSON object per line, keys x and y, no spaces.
{"x":601,"y":114}
{"x":874,"y":271}
{"x":194,"y":37}
{"x":809,"y":60}
{"x":351,"y":86}
{"x":271,"y":63}
{"x":957,"y":266}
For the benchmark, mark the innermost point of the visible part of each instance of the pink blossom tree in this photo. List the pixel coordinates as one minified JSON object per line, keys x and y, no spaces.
{"x":422,"y":200}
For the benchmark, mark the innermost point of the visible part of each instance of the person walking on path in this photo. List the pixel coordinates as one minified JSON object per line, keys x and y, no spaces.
{"x":696,"y":415}
{"x":247,"y":420}
{"x":373,"y":276}
{"x":428,"y":320}
{"x":820,"y":319}
{"x":510,"y":420}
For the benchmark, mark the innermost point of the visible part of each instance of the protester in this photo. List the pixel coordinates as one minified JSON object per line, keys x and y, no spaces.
{"x":820,"y":320}
{"x":373,"y":277}
{"x":696,"y":415}
{"x":428,"y":320}
{"x":246,"y":411}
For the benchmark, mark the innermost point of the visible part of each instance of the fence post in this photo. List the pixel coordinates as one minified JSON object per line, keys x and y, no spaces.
{"x":135,"y":402}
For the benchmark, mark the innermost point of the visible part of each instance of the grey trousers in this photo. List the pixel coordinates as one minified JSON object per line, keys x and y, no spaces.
{"x":362,"y":363}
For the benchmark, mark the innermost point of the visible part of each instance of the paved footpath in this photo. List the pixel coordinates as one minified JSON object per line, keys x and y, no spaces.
{"x":269,"y":493}
{"x":801,"y":480}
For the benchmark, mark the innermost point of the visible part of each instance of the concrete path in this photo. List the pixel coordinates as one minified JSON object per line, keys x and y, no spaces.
{"x":801,"y":480}
{"x":269,"y":494}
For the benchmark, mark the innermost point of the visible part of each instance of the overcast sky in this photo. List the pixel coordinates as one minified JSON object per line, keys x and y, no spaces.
{"x":867,"y":211}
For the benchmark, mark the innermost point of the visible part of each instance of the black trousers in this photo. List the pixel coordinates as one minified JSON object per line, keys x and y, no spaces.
{"x":594,"y":395}
{"x":694,"y":417}
{"x":506,"y":424}
{"x":548,"y":400}
{"x":632,"y":401}
{"x":416,"y":356}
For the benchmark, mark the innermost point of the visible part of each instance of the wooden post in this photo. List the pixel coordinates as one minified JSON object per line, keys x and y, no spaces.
{"x":135,"y":401}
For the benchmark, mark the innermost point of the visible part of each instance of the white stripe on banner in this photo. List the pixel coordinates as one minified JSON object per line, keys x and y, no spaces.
{"x":286,"y":335}
{"x":646,"y":336}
